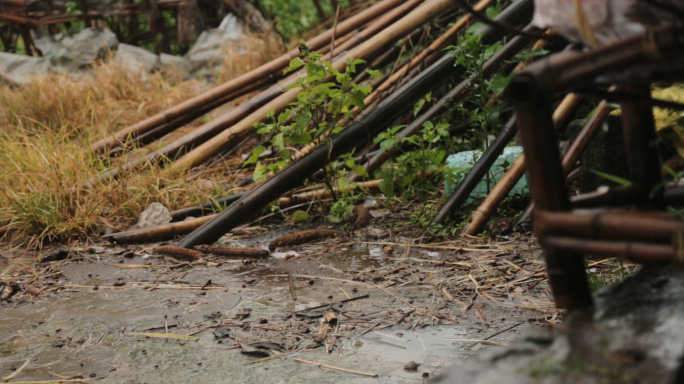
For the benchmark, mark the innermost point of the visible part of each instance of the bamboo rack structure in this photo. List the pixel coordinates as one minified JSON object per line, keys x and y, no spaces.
{"x":648,"y":235}
{"x":373,"y":46}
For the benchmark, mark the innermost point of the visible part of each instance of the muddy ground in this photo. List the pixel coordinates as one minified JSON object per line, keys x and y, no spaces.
{"x":120,"y":314}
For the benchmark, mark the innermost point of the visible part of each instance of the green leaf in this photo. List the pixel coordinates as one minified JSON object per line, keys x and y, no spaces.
{"x":295,"y":64}
{"x":528,"y":54}
{"x":259,"y":172}
{"x":374,"y":73}
{"x":418,"y":106}
{"x":493,"y":11}
{"x":499,"y":82}
{"x":491,"y":50}
{"x":300,"y":216}
{"x":387,"y":187}
{"x":360,"y":170}
{"x":255,"y":155}
{"x":302,"y":138}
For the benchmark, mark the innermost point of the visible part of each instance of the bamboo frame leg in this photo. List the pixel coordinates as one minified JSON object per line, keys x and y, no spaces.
{"x":547,"y":185}
{"x":640,"y":137}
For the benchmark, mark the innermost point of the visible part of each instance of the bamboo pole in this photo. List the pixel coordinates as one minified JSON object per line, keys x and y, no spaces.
{"x":480,"y":216}
{"x":269,"y":69}
{"x":169,"y":231}
{"x":353,"y":136}
{"x":374,"y":45}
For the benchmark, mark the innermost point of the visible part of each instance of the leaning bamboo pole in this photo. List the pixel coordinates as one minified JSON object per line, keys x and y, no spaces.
{"x":480,"y":215}
{"x":269,"y":69}
{"x":373,"y":46}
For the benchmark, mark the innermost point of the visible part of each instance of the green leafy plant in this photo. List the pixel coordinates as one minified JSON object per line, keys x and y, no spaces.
{"x":410,"y":172}
{"x":327,"y":97}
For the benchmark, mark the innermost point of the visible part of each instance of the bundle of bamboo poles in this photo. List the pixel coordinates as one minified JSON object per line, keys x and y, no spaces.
{"x":366,"y":35}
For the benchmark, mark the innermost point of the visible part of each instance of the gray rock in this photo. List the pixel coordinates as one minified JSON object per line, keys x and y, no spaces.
{"x":209,"y":50}
{"x":175,"y":63}
{"x":136,"y":59}
{"x":80,"y":50}
{"x":20,"y":69}
{"x":633,"y":334}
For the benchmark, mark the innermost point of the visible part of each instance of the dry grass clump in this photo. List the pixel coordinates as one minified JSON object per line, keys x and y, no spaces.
{"x":251,"y":52}
{"x":107,"y":100}
{"x":46,"y":129}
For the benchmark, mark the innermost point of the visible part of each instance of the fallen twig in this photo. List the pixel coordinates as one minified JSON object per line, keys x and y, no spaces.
{"x":302,"y":237}
{"x":178,"y":252}
{"x":337,"y":302}
{"x":222,"y":250}
{"x":337,"y":368}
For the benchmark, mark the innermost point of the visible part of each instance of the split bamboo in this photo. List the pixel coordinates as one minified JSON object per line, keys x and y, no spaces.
{"x":242,"y":81}
{"x":480,"y":216}
{"x":373,"y":46}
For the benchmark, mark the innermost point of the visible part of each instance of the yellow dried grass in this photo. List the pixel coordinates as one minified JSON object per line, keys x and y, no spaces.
{"x":46,"y":128}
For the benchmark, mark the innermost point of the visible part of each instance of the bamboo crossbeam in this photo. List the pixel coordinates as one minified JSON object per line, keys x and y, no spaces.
{"x":627,"y":226}
{"x":265,"y":70}
{"x":642,"y":253}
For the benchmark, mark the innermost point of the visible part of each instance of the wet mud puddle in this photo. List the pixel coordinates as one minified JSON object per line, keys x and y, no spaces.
{"x":352,"y":307}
